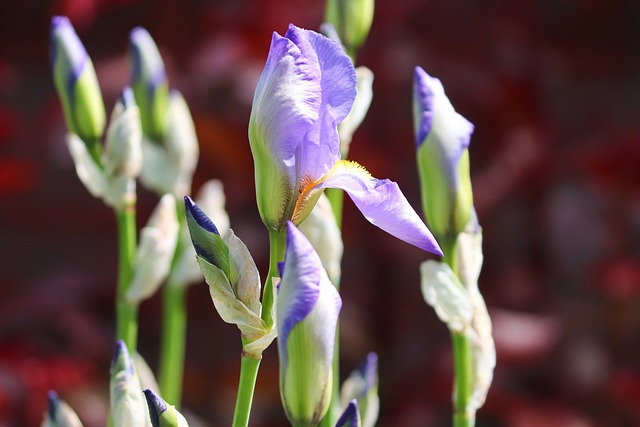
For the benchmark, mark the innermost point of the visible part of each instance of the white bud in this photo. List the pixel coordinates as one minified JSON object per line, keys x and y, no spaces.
{"x":123,"y":145}
{"x":155,"y":251}
{"x":115,"y":191}
{"x":364,"y":95}
{"x":321,"y":229}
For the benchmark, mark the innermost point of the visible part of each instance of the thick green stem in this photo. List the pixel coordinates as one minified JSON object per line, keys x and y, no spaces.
{"x":248,"y":375}
{"x":174,"y":326}
{"x":277,"y":240}
{"x":126,"y":312}
{"x":462,"y":363}
{"x":173,"y":343}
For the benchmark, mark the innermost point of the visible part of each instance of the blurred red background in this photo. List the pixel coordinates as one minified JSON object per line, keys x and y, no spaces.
{"x":553,"y":89}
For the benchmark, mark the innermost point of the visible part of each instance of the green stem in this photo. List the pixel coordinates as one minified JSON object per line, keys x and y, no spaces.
{"x":462,"y":363}
{"x":173,"y":343}
{"x":126,"y":312}
{"x":277,"y":240}
{"x":248,"y":375}
{"x":174,"y":326}
{"x":463,"y":370}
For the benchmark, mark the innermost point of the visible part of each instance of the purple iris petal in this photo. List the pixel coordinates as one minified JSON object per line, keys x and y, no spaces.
{"x":433,"y":113}
{"x":423,"y":105}
{"x":349,"y":417}
{"x":300,"y":285}
{"x":307,"y":87}
{"x":369,"y":371}
{"x":383,"y":204}
{"x":156,"y":405}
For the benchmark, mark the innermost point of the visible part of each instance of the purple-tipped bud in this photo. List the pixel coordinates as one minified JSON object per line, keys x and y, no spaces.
{"x":76,"y":82}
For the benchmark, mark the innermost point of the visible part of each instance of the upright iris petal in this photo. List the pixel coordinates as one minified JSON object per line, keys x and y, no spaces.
{"x":442,"y":140}
{"x":307,"y":311}
{"x":307,"y":88}
{"x":76,"y":82}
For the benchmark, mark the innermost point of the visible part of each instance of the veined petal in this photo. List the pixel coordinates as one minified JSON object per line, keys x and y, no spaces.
{"x":382,"y":204}
{"x":307,"y":87}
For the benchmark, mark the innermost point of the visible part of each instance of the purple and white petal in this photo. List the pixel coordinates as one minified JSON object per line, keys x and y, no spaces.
{"x":382,"y":204}
{"x":299,"y":288}
{"x":436,"y":120}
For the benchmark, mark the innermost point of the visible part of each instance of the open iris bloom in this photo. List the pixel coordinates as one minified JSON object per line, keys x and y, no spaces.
{"x":307,"y":311}
{"x":307,"y":88}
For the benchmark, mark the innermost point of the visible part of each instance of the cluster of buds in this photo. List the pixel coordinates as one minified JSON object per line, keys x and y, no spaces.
{"x":442,"y":138}
{"x":108,"y":171}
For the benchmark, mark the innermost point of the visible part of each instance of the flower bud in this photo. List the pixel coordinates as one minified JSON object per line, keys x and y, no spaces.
{"x":307,"y":310}
{"x":76,"y":83}
{"x":155,"y":251}
{"x":123,"y":145}
{"x":362,"y":385}
{"x":233,"y":279}
{"x":350,"y":416}
{"x":211,"y":200}
{"x":168,"y":168}
{"x":163,"y":414}
{"x":352,"y":20}
{"x":442,"y":141}
{"x":128,"y":407}
{"x":59,"y":414}
{"x":364,"y":88}
{"x":149,"y":82}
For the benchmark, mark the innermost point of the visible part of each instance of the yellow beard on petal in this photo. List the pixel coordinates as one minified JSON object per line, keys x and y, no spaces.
{"x":309,"y":192}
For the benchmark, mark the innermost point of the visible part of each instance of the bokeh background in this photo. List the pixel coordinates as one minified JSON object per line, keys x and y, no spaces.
{"x":553,"y":88}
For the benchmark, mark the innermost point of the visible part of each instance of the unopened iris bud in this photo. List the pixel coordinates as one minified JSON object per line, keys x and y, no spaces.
{"x":59,"y":414}
{"x":233,"y":279}
{"x":128,"y":406}
{"x":362,"y":385}
{"x":76,"y":82}
{"x":307,"y":310}
{"x":352,"y":20}
{"x":350,"y":416}
{"x":123,"y":145}
{"x":149,"y":82}
{"x":169,"y":167}
{"x":211,"y":200}
{"x":161,"y":413}
{"x":155,"y":251}
{"x":442,"y":141}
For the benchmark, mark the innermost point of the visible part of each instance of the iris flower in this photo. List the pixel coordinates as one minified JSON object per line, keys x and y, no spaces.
{"x":307,"y":88}
{"x":307,"y":310}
